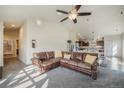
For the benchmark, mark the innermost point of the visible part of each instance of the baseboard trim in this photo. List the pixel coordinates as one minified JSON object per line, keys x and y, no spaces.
{"x":1,"y":70}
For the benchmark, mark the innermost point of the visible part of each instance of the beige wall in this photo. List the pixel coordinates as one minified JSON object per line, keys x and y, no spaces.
{"x":11,"y":35}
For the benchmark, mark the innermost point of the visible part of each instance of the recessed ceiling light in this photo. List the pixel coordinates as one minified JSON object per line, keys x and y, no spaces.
{"x":38,"y":22}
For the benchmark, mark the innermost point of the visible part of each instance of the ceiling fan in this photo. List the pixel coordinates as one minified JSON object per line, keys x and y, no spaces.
{"x":72,"y":14}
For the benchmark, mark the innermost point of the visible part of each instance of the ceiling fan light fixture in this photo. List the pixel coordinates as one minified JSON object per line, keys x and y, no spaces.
{"x":58,"y":13}
{"x":72,"y":16}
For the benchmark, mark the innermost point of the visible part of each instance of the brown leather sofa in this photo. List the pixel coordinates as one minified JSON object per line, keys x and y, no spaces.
{"x":77,"y":63}
{"x":47,"y":61}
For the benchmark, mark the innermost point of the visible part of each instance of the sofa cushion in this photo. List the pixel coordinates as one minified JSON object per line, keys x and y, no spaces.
{"x":84,"y":65}
{"x":64,"y":60}
{"x":72,"y":63}
{"x":90,"y":59}
{"x":50,"y":55}
{"x":54,"y":60}
{"x":77,"y":55}
{"x":46,"y":63}
{"x":51,"y":61}
{"x":42,"y":55}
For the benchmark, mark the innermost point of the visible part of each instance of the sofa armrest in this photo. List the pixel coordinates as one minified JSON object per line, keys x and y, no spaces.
{"x":94,"y":65}
{"x":94,"y":70}
{"x":36,"y":61}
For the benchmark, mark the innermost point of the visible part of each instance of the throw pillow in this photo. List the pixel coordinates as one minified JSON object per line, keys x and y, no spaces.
{"x":90,"y":59}
{"x":58,"y":54}
{"x":67,"y":56}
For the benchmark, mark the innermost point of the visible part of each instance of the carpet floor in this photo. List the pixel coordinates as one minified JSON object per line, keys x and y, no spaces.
{"x":18,"y":75}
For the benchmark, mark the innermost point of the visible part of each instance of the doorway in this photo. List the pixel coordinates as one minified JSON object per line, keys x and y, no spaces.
{"x":10,"y":43}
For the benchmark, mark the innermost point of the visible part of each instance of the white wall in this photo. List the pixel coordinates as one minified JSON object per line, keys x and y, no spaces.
{"x":48,"y":36}
{"x":23,"y":43}
{"x":1,"y":44}
{"x":72,"y":35}
{"x":114,"y":46}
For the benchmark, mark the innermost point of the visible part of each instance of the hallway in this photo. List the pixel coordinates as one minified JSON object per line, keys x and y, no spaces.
{"x":12,"y":65}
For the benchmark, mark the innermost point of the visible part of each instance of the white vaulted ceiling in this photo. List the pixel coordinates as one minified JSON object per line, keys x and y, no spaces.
{"x":105,"y":20}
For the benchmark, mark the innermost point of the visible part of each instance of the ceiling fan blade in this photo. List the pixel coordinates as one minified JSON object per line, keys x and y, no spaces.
{"x":64,"y":19}
{"x":75,"y":20}
{"x":61,"y":11}
{"x":77,"y":7}
{"x":84,"y":14}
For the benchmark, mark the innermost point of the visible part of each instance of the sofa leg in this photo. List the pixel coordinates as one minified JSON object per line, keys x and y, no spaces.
{"x":1,"y":72}
{"x":94,"y":75}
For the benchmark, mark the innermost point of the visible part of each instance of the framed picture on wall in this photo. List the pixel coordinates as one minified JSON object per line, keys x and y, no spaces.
{"x":33,"y":43}
{"x":8,"y":46}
